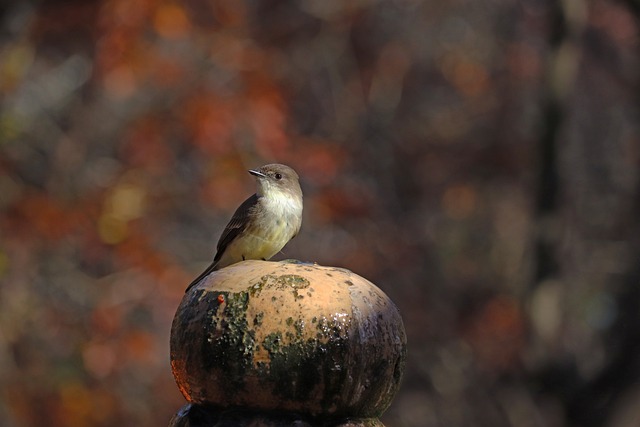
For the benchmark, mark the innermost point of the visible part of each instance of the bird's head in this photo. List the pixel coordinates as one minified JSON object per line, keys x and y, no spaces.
{"x":276,"y":178}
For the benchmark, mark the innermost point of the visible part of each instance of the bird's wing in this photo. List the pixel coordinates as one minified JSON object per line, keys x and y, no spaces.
{"x":212,"y":267}
{"x":236,"y":225}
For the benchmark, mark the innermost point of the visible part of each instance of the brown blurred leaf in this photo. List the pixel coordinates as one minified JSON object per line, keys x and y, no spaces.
{"x":496,"y":332}
{"x":171,"y":21}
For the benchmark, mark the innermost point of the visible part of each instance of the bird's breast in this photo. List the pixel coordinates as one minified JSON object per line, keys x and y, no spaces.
{"x":282,"y":213}
{"x":274,"y":222}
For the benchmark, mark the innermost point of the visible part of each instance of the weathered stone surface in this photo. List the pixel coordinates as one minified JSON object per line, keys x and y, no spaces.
{"x":281,"y":336}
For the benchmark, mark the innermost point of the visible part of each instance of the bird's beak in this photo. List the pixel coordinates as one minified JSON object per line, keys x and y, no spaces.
{"x":257,"y":173}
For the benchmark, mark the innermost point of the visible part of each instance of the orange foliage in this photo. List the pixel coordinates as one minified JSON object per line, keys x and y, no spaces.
{"x":49,"y":218}
{"x":139,"y":347}
{"x":136,"y":251}
{"x":459,"y":201}
{"x":322,"y":160}
{"x":170,"y":21}
{"x":267,"y":115}
{"x":496,"y":332}
{"x":230,"y":13}
{"x":144,"y":146}
{"x":210,"y":121}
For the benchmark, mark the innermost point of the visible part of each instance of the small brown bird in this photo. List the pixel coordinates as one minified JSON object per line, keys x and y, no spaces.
{"x":263,"y":223}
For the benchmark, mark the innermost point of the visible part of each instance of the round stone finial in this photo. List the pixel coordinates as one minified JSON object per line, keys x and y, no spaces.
{"x":318,"y":341}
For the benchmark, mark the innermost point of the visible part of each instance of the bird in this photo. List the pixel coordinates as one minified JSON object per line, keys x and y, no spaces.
{"x":264,"y":223}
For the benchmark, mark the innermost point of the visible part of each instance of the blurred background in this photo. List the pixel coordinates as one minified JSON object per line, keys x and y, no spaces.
{"x":477,"y":160}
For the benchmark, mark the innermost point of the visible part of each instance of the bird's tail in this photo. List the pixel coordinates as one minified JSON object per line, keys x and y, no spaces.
{"x":212,"y":267}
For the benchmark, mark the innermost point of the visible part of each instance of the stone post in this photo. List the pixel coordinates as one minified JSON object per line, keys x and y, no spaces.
{"x":272,"y":344}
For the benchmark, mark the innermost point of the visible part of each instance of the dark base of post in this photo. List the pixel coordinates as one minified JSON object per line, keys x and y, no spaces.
{"x":206,"y":416}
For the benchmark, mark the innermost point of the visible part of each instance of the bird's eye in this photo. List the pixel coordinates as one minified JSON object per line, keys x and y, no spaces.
{"x":278,"y":176}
